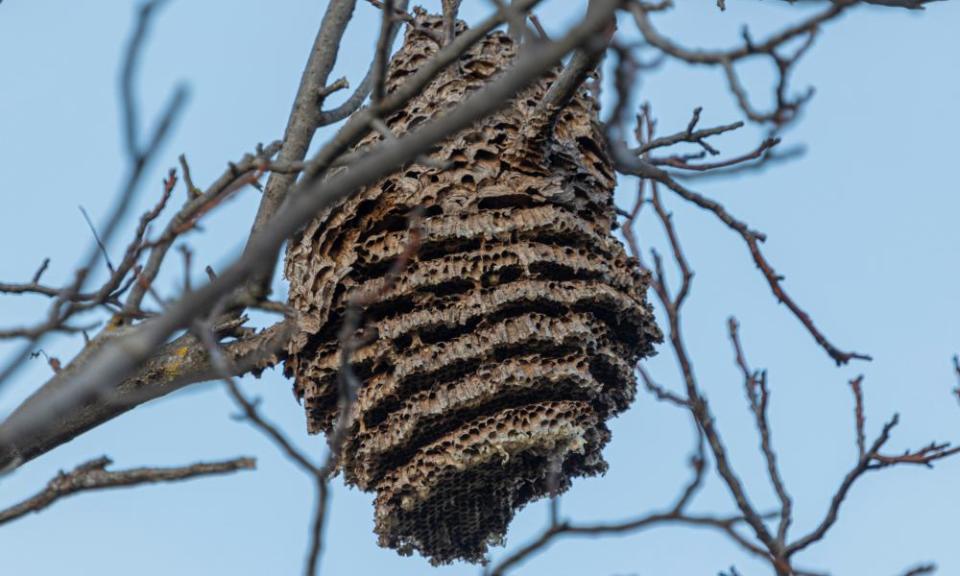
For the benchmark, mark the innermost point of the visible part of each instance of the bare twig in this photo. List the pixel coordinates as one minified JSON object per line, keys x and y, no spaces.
{"x":922,"y":569}
{"x":870,"y":459}
{"x":192,"y":190}
{"x":96,"y":237}
{"x":956,"y":370}
{"x":908,"y":4}
{"x":768,"y":160}
{"x":682,"y":163}
{"x":659,"y":392}
{"x":786,"y":109}
{"x":689,"y":135}
{"x":93,"y":475}
{"x":755,"y":384}
{"x":726,"y":525}
{"x":628,"y":163}
{"x":858,"y":417}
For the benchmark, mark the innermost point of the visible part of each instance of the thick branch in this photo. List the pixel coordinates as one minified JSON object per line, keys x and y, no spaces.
{"x":303,"y":122}
{"x":176,"y":365}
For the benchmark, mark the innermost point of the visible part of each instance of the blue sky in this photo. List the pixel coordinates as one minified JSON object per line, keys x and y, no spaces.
{"x":864,"y":227}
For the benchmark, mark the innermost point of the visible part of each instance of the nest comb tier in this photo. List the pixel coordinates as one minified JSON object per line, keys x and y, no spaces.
{"x":492,"y":360}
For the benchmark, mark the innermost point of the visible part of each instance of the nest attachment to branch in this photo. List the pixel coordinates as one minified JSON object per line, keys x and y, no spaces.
{"x":491,"y":362}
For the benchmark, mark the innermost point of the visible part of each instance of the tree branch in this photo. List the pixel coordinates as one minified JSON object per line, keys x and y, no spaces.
{"x":180,"y":363}
{"x":301,"y":126}
{"x":93,"y":475}
{"x":629,"y":164}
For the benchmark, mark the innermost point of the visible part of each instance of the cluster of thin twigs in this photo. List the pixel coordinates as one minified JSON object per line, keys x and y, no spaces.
{"x":749,"y":528}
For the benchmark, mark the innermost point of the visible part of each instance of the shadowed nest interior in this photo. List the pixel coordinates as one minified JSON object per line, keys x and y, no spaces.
{"x":508,"y":339}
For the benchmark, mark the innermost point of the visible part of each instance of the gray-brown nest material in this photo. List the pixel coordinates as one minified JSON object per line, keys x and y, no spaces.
{"x":512,"y":335}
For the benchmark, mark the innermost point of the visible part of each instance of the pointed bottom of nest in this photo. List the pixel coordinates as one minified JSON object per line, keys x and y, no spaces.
{"x":486,"y":471}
